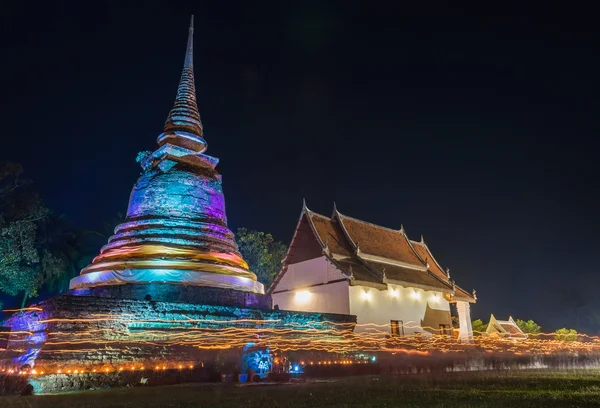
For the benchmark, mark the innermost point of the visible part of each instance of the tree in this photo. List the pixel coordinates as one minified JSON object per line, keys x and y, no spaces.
{"x":478,"y":327}
{"x":565,"y":334}
{"x":530,"y":327}
{"x":26,"y":258}
{"x":66,"y":243}
{"x":263,"y":254}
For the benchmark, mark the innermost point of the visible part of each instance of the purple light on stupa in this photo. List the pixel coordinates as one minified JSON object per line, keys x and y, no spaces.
{"x":176,"y":229}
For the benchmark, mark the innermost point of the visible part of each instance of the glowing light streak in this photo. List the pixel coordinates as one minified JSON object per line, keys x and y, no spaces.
{"x":329,"y":337}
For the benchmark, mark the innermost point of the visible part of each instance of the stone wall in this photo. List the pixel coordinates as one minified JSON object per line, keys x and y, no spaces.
{"x":74,"y":331}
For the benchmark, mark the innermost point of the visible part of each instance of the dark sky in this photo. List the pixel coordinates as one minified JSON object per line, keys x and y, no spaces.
{"x":477,"y":127}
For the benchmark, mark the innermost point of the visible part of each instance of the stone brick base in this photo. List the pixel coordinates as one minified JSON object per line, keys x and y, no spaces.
{"x":98,"y":332}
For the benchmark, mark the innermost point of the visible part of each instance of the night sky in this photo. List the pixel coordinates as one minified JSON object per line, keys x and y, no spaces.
{"x":478,"y":128}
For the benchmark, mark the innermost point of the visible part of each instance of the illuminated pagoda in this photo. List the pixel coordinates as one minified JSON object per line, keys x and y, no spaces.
{"x":176,"y":230}
{"x":169,"y":290}
{"x":340,"y":264}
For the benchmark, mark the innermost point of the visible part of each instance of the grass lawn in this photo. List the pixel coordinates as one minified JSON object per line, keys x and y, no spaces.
{"x":505,"y":389}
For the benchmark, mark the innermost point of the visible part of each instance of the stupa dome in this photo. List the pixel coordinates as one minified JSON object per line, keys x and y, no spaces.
{"x":176,"y":229}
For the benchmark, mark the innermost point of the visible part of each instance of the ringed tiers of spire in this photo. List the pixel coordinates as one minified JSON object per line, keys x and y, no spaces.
{"x":176,"y":229}
{"x":183,"y":126}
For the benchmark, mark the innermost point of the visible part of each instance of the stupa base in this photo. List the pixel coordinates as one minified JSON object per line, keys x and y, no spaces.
{"x":199,"y":295}
{"x":166,"y":276}
{"x":131,"y":329}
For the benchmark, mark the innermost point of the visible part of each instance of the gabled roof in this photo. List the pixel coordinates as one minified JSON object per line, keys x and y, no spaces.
{"x":423,"y":250}
{"x":505,"y":328}
{"x":330,"y":234}
{"x":461,"y":294}
{"x":367,"y":253}
{"x":435,"y":268}
{"x":409,"y":277}
{"x":379,"y":241}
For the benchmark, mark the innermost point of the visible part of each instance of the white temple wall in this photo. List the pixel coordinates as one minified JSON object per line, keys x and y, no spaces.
{"x":312,"y":272}
{"x":318,"y":286}
{"x":380,"y":307}
{"x":312,"y":286}
{"x":328,"y":298}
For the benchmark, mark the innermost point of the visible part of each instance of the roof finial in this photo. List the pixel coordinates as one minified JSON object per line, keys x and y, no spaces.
{"x":189,"y":52}
{"x":326,"y":250}
{"x":183,"y":126}
{"x":422,"y":239}
{"x":304,"y":206}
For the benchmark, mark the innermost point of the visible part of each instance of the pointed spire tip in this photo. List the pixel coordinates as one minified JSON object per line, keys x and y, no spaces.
{"x":184,"y":116}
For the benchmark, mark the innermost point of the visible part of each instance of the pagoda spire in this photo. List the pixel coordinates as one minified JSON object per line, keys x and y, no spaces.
{"x":183,"y":126}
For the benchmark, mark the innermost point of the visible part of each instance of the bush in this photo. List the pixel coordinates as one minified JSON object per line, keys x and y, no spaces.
{"x":478,"y":327}
{"x":565,"y":334}
{"x":529,"y":327}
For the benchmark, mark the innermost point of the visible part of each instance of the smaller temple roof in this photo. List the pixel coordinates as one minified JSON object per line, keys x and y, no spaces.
{"x":410,"y":277}
{"x":359,"y":272}
{"x":423,"y":250}
{"x":461,"y":294}
{"x":505,"y":328}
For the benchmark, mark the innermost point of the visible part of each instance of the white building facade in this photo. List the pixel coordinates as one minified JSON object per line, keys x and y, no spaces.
{"x":391,"y":284}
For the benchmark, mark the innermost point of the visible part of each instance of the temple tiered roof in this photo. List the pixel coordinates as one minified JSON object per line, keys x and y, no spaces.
{"x":505,"y":328}
{"x":369,"y":254}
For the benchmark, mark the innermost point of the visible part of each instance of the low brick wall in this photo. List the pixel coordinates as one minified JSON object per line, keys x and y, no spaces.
{"x":78,"y":332}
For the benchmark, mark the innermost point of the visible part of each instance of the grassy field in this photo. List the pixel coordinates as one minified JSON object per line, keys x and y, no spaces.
{"x":519,"y":389}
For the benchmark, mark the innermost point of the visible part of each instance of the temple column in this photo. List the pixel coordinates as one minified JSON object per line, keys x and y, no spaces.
{"x":465,"y":332}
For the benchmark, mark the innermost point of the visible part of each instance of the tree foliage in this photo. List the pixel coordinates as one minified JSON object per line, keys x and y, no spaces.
{"x":529,"y":326}
{"x":565,"y":334}
{"x":32,"y":250}
{"x":263,"y":254}
{"x":478,"y":327}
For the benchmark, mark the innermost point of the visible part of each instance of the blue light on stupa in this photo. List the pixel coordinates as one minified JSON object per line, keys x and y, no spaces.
{"x":176,"y":229}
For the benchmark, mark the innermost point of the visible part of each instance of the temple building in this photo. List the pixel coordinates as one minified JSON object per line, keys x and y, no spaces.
{"x":392,"y":284}
{"x":507,"y":329}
